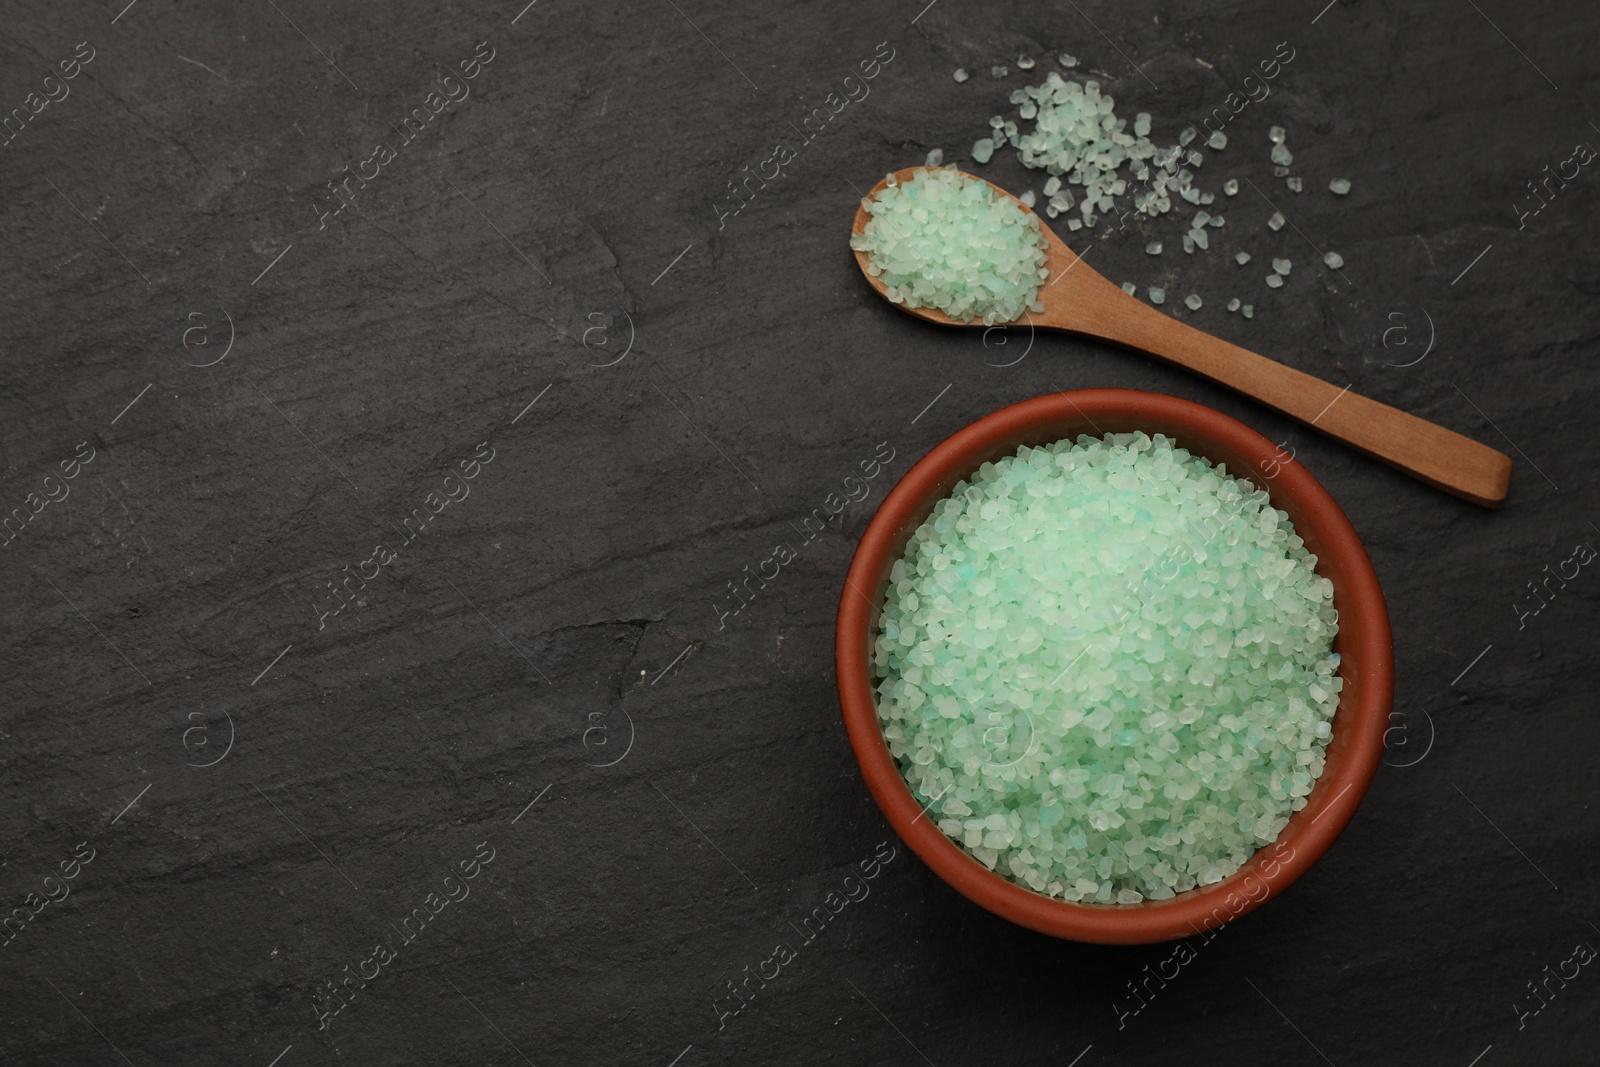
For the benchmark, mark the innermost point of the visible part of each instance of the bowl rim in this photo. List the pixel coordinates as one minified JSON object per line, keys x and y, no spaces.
{"x":1364,"y":642}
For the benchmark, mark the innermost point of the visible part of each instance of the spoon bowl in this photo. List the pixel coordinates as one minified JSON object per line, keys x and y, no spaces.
{"x":1077,"y":299}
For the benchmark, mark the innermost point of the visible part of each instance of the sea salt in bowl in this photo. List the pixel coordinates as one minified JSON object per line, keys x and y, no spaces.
{"x":1363,"y":645}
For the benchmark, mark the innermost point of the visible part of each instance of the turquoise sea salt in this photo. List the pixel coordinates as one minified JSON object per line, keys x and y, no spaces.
{"x":947,"y":241}
{"x":1105,"y":669}
{"x":1077,"y":135}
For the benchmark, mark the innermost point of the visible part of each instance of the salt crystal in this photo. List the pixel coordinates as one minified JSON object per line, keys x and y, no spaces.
{"x":1214,"y":748}
{"x":947,"y":241}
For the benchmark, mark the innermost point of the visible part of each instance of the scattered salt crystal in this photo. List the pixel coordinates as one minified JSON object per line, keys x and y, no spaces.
{"x":1334,"y":260}
{"x":961,"y":74}
{"x":1192,"y":302}
{"x":1233,"y":305}
{"x":1248,"y":311}
{"x":1199,"y":237}
{"x":1241,"y":258}
{"x":1295,"y":184}
{"x":1217,"y":141}
{"x":1027,"y":198}
{"x":1339,"y":186}
{"x":1141,"y":124}
{"x":982,"y":150}
{"x":1067,"y":60}
{"x":1281,"y":265}
{"x":998,"y":72}
{"x":1276,"y":221}
{"x":935,"y":157}
{"x":1158,"y":296}
{"x":1274,"y":282}
{"x":1024,"y":62}
{"x":1281,"y":155}
{"x":1277,"y":134}
{"x":1231,"y":187}
{"x":1129,"y":288}
{"x":1153,"y":248}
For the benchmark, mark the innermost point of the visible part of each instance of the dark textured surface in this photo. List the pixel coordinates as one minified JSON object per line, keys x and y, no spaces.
{"x":567,"y":611}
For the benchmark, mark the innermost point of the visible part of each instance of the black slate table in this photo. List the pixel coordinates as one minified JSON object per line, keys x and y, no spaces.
{"x":397,"y":397}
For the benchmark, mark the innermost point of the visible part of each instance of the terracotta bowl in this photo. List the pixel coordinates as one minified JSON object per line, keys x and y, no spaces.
{"x":1363,"y":643}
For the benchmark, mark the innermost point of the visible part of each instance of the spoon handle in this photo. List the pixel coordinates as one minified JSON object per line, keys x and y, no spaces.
{"x":1432,"y":454}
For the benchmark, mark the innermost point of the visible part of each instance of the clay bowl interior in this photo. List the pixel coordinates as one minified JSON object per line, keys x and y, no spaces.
{"x":1363,"y":643}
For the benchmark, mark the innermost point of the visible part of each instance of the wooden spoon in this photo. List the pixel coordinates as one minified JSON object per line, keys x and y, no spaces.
{"x":1078,"y":300}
